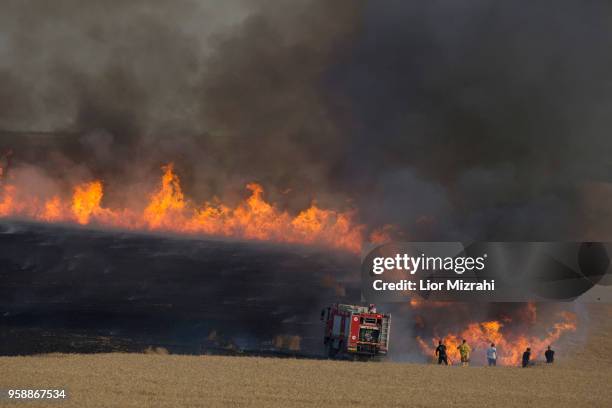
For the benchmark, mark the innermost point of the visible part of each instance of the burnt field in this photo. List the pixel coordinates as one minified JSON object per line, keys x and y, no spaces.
{"x":70,"y":289}
{"x":67,"y":289}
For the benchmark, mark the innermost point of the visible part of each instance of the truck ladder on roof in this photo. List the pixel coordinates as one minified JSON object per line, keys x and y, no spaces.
{"x":385,"y":330}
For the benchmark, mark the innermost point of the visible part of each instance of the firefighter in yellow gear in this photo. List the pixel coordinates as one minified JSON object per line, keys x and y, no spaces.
{"x":464,"y":351}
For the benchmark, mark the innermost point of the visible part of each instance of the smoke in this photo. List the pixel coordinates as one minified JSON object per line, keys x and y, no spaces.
{"x":499,"y":104}
{"x":452,"y":120}
{"x":229,"y":93}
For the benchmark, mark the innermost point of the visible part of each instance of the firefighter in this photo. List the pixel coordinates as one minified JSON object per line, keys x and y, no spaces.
{"x":372,"y":308}
{"x":441,"y":353}
{"x":464,"y":351}
{"x":526,"y":357}
{"x":550,"y":355}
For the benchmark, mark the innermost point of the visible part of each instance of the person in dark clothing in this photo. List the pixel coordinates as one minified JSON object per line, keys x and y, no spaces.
{"x":441,"y":353}
{"x":550,"y":355}
{"x":526,"y":357}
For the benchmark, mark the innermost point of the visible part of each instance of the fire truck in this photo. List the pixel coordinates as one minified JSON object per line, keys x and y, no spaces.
{"x":358,"y":331}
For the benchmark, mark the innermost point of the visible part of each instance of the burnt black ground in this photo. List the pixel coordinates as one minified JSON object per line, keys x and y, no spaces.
{"x":68,"y":289}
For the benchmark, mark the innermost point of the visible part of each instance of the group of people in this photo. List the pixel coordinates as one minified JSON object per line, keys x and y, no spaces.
{"x":465,"y":350}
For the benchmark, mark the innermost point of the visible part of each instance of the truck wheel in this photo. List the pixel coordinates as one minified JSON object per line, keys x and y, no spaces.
{"x":331,"y":351}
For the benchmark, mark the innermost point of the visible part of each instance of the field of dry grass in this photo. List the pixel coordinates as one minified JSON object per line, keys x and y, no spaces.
{"x":131,"y":380}
{"x":138,"y":380}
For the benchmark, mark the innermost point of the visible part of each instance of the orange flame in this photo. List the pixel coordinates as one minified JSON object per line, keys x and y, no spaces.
{"x":53,"y":210}
{"x":420,"y":303}
{"x":169,"y":210}
{"x":166,"y":204}
{"x":382,"y":235}
{"x":510,"y":346}
{"x":86,"y":201}
{"x":7,"y":204}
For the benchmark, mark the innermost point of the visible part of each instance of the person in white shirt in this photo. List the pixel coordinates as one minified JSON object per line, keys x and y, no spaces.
{"x":492,"y":355}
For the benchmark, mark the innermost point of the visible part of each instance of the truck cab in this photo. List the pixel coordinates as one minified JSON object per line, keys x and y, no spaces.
{"x":352,"y":330}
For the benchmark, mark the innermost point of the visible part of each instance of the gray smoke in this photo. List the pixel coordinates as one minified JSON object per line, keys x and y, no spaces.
{"x":451,"y":119}
{"x":503,"y":106}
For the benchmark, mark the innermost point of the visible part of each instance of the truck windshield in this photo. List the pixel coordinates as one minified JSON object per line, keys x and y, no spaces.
{"x":368,"y":335}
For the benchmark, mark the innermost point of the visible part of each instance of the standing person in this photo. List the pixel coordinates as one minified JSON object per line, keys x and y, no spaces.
{"x":464,"y":351}
{"x":492,"y":355}
{"x":550,"y":355}
{"x":526,"y":357}
{"x":441,"y":353}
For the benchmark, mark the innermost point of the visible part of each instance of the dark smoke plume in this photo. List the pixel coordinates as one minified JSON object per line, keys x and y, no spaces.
{"x":488,"y":116}
{"x":451,"y":119}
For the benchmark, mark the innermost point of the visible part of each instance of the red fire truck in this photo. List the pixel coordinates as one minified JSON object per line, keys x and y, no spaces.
{"x":358,"y":331}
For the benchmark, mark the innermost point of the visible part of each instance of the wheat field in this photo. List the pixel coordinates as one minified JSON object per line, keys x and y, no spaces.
{"x":156,"y":380}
